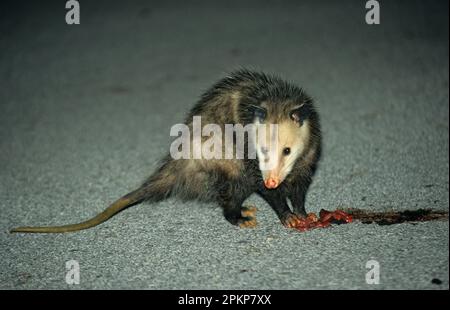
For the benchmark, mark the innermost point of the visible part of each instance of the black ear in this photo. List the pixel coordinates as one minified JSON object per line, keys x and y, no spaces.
{"x":300,"y":114}
{"x":258,"y":112}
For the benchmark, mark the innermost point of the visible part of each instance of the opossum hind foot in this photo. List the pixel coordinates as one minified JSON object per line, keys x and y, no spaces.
{"x":244,"y":217}
{"x":248,"y":219}
{"x":249,"y":211}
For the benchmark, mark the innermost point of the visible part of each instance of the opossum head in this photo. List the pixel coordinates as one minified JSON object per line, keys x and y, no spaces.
{"x":282,"y":136}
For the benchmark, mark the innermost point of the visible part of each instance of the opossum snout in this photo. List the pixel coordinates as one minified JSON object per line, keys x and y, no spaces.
{"x":271,"y":183}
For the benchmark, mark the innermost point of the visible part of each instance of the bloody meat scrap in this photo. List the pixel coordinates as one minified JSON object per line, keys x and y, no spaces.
{"x":325,"y":219}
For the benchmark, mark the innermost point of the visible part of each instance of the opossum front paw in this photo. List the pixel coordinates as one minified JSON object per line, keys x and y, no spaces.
{"x":290,"y":220}
{"x":247,"y":222}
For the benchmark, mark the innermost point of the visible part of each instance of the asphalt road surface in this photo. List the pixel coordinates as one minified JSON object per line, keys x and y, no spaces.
{"x":85,"y":113}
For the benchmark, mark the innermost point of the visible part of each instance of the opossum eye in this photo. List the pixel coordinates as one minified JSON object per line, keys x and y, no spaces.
{"x":286,"y":151}
{"x":259,"y":112}
{"x":264,"y":150}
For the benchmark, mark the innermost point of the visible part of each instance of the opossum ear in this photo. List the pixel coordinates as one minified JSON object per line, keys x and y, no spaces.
{"x":300,"y":114}
{"x":258,"y":112}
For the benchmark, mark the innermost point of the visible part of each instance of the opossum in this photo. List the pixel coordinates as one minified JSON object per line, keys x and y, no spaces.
{"x":243,"y":97}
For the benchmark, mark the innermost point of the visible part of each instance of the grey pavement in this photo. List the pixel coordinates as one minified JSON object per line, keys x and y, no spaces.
{"x":85,"y":113}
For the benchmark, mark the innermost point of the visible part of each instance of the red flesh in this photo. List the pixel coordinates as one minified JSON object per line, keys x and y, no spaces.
{"x":326,"y":219}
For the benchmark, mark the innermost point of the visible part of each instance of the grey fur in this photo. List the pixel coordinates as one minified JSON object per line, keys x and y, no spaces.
{"x":232,"y":100}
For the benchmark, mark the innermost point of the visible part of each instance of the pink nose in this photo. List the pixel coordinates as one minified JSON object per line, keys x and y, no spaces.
{"x":271,"y":183}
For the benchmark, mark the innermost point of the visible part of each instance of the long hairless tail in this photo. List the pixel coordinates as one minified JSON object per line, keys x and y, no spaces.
{"x":157,"y":187}
{"x":126,"y":201}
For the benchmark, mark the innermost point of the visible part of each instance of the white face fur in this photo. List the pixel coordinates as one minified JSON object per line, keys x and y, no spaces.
{"x":278,"y":148}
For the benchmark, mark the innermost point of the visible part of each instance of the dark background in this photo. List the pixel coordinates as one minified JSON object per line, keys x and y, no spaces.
{"x":85,"y":113}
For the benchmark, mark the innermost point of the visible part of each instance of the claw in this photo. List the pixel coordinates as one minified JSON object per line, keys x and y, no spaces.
{"x":248,"y":223}
{"x":292,"y":220}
